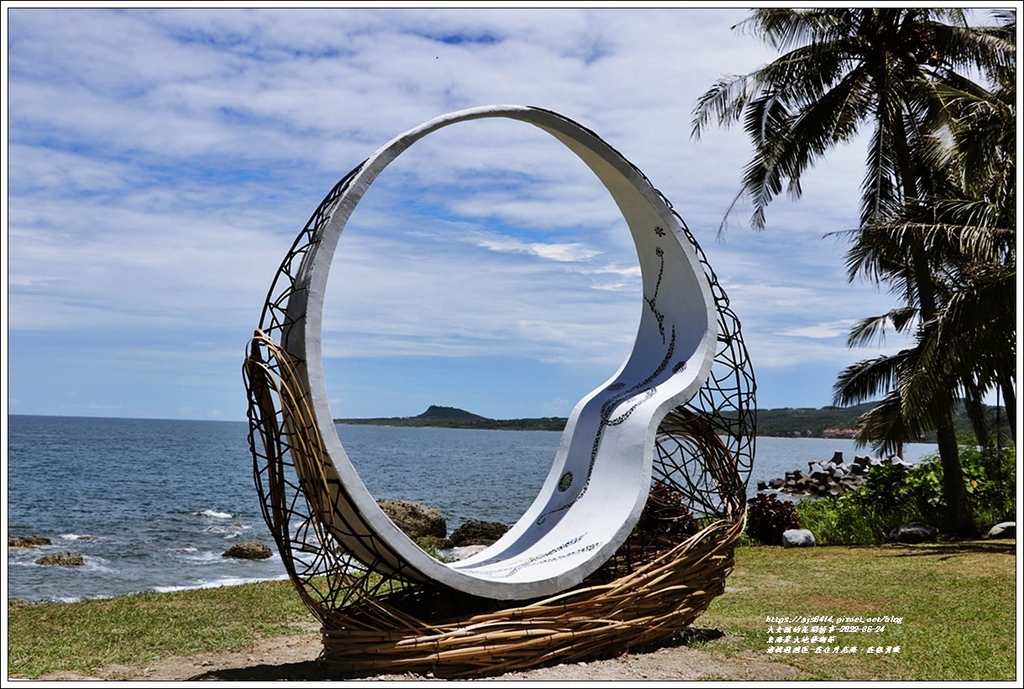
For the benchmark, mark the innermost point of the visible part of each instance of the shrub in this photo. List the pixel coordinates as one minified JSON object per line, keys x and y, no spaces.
{"x":990,"y":478}
{"x":895,"y":494}
{"x":666,"y":516}
{"x":768,"y":518}
{"x":846,"y":520}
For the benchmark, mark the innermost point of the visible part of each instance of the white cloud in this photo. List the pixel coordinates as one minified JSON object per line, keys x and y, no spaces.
{"x":152,"y":199}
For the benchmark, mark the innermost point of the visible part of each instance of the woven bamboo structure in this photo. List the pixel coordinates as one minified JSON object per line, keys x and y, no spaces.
{"x":378,"y":617}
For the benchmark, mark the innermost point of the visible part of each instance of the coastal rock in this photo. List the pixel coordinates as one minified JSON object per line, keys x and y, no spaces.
{"x":797,"y":538}
{"x":64,"y":559}
{"x":828,"y":478}
{"x":248,"y":550}
{"x":913,"y":532}
{"x":414,"y":518}
{"x":1003,"y":530}
{"x":476,"y":532}
{"x":27,"y":541}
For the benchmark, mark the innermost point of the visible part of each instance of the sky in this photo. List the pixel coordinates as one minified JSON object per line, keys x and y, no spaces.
{"x":161,"y":161}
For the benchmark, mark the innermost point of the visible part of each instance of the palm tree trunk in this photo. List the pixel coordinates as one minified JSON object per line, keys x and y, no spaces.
{"x":959,"y":518}
{"x":1009,"y":404}
{"x":978,"y":415}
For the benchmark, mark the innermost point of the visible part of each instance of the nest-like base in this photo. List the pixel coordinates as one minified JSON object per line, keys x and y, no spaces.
{"x":652,"y":604}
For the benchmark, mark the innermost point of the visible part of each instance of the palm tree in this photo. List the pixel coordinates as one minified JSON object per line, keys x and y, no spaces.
{"x":843,"y":70}
{"x":970,"y":345}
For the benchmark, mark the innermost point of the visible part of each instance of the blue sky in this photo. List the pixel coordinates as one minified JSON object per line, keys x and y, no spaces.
{"x":160,"y":162}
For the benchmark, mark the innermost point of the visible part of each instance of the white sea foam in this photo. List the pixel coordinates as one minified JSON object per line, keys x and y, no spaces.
{"x":229,"y":530}
{"x":197,"y":555}
{"x":219,"y":583}
{"x":77,"y":537}
{"x":213,"y":514}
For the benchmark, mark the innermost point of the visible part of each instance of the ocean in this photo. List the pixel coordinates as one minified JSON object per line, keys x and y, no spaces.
{"x":151,"y":505}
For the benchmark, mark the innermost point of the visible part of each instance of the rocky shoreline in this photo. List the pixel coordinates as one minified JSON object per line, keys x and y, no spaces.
{"x":829,"y":478}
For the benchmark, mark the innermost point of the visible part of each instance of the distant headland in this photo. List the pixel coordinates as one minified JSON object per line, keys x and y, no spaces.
{"x":787,"y":422}
{"x":449,"y":417}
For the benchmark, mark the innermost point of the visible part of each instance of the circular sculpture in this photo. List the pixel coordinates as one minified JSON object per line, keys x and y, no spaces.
{"x":650,"y":470}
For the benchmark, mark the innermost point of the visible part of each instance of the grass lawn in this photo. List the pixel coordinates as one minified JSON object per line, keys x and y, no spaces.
{"x":957,"y":606}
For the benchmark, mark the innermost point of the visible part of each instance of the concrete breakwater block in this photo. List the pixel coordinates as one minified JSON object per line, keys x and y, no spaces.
{"x":827,"y":478}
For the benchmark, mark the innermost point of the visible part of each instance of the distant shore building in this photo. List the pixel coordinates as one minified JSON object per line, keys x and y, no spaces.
{"x":839,"y":433}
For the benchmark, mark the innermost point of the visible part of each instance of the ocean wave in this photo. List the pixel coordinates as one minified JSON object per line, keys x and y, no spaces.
{"x":196,"y":555}
{"x":219,"y":583}
{"x":232,"y":529}
{"x":90,"y":564}
{"x":213,"y":514}
{"x":77,"y":537}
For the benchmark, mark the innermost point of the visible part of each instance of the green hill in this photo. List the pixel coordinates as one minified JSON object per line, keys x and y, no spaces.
{"x":788,"y":422}
{"x":450,"y":414}
{"x":450,"y":417}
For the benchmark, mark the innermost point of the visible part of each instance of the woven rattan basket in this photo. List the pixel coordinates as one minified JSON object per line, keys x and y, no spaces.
{"x":663,"y":577}
{"x":652,"y":604}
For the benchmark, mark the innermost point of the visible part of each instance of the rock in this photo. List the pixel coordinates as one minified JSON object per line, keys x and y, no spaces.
{"x":1003,"y":530}
{"x":415,"y":519}
{"x":248,"y":550}
{"x":64,"y":559}
{"x":797,"y":538}
{"x":27,"y":541}
{"x":476,"y":532}
{"x":913,"y":532}
{"x":837,"y":458}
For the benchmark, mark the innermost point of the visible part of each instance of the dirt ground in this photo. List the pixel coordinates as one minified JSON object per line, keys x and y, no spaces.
{"x":294,"y":658}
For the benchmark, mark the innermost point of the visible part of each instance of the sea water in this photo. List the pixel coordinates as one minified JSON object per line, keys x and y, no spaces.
{"x":152,"y":505}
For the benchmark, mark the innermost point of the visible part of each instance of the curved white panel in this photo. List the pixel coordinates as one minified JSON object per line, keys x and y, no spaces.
{"x":601,"y":474}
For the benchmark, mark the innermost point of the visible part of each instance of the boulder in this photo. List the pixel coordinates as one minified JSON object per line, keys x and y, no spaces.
{"x":415,"y":519}
{"x":64,"y":559}
{"x":797,"y":538}
{"x":248,"y":550}
{"x":476,"y":532}
{"x":27,"y":541}
{"x":1003,"y":530}
{"x":913,"y":532}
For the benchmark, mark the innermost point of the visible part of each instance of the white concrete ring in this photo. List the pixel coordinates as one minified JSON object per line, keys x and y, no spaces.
{"x":601,"y":474}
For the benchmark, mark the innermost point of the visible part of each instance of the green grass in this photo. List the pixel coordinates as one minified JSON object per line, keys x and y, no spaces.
{"x":957,"y":601}
{"x":129,"y":630}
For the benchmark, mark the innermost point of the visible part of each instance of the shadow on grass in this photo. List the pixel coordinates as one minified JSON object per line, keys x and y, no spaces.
{"x":950,"y":548}
{"x":306,"y":670}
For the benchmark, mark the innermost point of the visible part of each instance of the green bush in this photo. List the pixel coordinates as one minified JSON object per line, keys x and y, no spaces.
{"x":846,"y":520}
{"x":990,"y":478}
{"x":893,"y":494}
